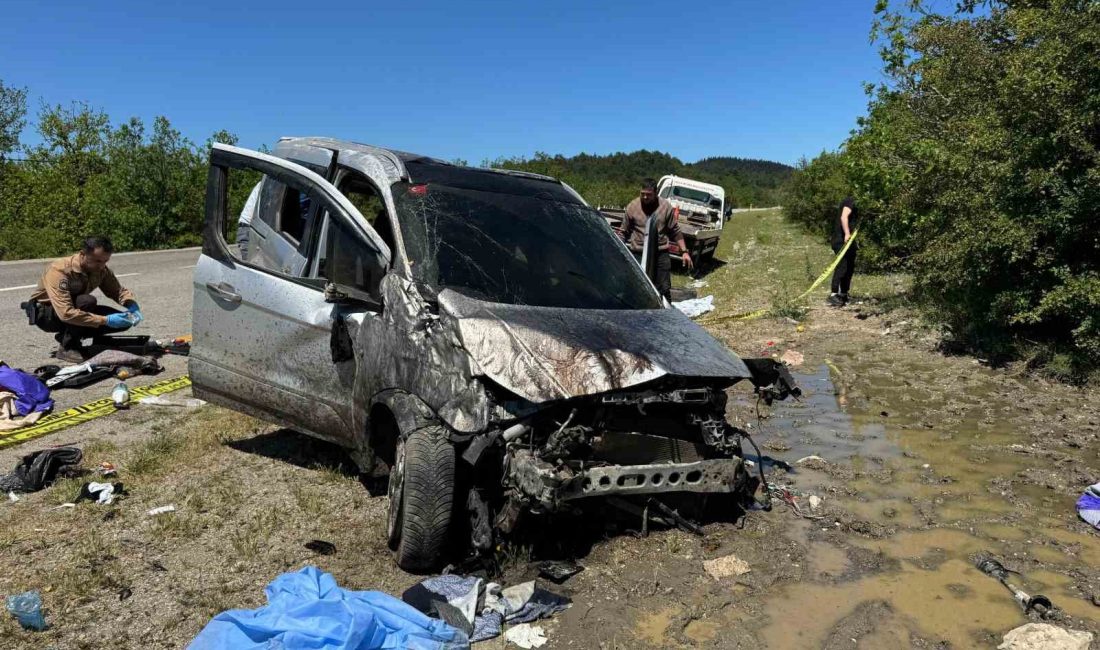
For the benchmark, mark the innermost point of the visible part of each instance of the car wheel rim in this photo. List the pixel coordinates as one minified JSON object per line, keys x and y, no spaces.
{"x":397,"y":479}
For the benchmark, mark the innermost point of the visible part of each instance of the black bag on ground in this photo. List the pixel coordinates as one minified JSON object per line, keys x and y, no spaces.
{"x":37,"y":470}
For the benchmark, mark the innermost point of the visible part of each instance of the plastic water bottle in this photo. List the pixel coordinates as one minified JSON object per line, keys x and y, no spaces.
{"x":27,"y":609}
{"x":121,"y":395}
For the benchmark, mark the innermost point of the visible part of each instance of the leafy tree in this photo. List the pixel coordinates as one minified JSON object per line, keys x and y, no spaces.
{"x":978,"y":165}
{"x":13,"y":113}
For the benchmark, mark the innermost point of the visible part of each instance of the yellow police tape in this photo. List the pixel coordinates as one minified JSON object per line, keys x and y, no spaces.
{"x":759,"y":313}
{"x":90,"y":411}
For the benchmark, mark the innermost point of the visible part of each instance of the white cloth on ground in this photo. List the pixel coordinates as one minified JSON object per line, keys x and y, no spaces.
{"x":695,"y":306}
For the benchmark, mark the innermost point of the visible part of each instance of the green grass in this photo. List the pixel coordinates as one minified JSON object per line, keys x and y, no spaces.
{"x":769,"y":262}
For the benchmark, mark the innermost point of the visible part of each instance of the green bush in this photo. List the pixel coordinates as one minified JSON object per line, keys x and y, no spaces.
{"x":145,"y":190}
{"x":977,"y":167}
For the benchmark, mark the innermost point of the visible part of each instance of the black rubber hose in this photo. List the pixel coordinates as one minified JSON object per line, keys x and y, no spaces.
{"x":767,"y":504}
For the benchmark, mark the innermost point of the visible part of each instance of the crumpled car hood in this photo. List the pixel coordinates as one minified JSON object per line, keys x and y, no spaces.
{"x":548,"y":353}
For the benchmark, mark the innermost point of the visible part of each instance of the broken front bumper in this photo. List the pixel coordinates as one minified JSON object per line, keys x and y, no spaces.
{"x":553,"y":484}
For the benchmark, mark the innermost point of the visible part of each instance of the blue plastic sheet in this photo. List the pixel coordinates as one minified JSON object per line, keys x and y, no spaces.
{"x":307,"y":610}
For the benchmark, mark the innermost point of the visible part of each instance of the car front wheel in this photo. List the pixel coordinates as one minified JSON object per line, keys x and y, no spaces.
{"x":421,"y":490}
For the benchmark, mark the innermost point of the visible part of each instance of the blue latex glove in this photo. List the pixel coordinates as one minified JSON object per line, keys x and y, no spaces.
{"x":136,"y":311}
{"x":119,"y":321}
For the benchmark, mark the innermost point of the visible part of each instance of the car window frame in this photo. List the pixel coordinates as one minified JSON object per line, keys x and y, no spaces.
{"x":322,"y":192}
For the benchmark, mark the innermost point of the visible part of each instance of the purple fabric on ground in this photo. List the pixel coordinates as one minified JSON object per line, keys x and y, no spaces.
{"x":1088,"y":506}
{"x":30,"y":393}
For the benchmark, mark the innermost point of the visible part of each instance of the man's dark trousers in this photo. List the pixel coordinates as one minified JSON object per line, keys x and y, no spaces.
{"x":69,"y":336}
{"x":842,"y":276}
{"x":663,"y":282}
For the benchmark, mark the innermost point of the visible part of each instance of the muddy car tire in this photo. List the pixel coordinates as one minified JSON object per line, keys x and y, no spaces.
{"x":422,"y":493}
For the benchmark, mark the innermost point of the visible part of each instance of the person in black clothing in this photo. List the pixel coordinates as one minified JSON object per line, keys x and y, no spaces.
{"x":843,"y":227}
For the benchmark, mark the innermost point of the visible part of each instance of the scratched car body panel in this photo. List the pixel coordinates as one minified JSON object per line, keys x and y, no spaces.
{"x":382,"y":295}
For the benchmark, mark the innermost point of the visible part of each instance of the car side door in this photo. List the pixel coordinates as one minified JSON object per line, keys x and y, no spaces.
{"x":263,"y":329}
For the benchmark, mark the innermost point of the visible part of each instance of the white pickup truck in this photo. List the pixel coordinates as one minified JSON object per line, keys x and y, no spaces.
{"x":702,"y":211}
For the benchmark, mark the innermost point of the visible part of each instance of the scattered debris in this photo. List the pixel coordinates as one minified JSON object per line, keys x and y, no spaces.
{"x":121,"y":396}
{"x":664,"y":515}
{"x":1044,"y":636}
{"x":106,"y":469}
{"x":454,"y":599}
{"x":726,"y":567}
{"x":790,"y":496}
{"x":161,"y":400}
{"x":697,"y":284}
{"x":12,"y":496}
{"x":526,"y":635}
{"x":10,"y":419}
{"x":321,"y":546}
{"x":125,"y":593}
{"x":102,"y":493}
{"x":309,"y":607}
{"x":558,"y":571}
{"x":38,"y":469}
{"x":181,"y":345}
{"x":63,"y":506}
{"x":1038,"y":603}
{"x":695,"y":306}
{"x":27,"y":609}
{"x":161,"y":510}
{"x":1088,"y":506}
{"x":815,"y":502}
{"x":792,"y":358}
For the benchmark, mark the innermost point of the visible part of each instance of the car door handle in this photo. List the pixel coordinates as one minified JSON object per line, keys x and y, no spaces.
{"x":225,"y":291}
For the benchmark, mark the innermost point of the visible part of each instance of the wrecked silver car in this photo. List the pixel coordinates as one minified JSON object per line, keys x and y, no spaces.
{"x":479,"y":336}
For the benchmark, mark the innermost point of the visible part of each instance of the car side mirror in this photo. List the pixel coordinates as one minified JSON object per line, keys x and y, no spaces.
{"x":341,"y":295}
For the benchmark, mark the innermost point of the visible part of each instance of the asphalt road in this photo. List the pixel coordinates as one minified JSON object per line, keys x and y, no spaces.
{"x":161,"y":281}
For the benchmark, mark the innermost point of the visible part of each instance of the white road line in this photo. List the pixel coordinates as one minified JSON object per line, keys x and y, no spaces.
{"x":31,"y":286}
{"x":189,"y":267}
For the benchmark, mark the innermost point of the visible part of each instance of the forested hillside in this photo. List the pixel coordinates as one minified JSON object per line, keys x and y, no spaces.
{"x":613,"y":179}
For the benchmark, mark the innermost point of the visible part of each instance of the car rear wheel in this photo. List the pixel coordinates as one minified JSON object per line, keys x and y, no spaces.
{"x":422,"y":489}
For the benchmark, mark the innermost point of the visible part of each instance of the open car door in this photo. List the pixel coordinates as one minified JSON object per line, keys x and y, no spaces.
{"x":262,"y":333}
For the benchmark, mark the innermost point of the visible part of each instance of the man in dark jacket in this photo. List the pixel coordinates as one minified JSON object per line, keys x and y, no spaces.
{"x":638,"y":212}
{"x":843,"y":227}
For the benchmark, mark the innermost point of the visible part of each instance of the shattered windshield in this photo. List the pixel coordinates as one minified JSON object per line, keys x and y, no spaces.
{"x":519,"y":249}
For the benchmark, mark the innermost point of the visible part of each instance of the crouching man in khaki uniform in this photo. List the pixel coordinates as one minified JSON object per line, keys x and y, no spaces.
{"x":62,"y":303}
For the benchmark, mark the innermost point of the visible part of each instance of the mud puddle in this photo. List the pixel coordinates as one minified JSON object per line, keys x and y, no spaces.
{"x":925,"y":469}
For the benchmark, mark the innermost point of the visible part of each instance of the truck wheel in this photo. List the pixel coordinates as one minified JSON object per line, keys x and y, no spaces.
{"x":422,"y":487}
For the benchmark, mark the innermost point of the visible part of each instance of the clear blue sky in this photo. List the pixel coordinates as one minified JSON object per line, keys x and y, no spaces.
{"x":772,"y":80}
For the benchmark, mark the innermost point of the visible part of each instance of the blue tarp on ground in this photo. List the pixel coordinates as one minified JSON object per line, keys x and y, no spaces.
{"x":307,"y":610}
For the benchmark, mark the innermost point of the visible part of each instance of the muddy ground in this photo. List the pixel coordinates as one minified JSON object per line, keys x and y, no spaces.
{"x":926,"y":461}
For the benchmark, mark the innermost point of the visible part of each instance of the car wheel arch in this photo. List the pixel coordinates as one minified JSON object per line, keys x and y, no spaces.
{"x":391,"y":413}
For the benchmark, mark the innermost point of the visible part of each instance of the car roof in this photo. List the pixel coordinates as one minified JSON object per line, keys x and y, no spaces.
{"x":393,"y":161}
